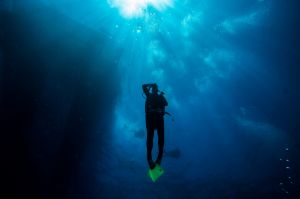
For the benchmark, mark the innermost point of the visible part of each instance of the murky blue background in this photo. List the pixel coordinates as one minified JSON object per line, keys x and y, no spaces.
{"x":72,"y":109}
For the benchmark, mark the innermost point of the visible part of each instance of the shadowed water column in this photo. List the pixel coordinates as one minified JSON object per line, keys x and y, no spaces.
{"x":58,"y":93}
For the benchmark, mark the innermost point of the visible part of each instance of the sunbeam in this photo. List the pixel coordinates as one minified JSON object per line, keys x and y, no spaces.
{"x":138,"y":8}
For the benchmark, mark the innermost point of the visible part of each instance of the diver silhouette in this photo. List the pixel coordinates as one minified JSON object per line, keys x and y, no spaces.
{"x":155,"y":111}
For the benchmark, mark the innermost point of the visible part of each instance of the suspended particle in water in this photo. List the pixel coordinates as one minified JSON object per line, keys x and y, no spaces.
{"x":139,"y":29}
{"x":284,"y":190}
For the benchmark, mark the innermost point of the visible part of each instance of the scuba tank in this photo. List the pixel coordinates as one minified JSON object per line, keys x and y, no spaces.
{"x":160,"y":93}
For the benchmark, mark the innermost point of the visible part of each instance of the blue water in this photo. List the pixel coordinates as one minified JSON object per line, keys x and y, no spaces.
{"x":72,"y":107}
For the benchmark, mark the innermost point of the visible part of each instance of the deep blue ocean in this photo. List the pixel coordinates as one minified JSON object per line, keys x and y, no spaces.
{"x":72,"y":108}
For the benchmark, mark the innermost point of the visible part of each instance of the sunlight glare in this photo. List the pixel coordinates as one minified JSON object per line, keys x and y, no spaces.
{"x":137,"y":8}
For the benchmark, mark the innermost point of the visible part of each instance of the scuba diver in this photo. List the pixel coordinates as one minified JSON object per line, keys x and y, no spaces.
{"x":155,"y":111}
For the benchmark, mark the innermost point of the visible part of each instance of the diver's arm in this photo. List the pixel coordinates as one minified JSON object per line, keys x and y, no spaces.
{"x":165,"y":101}
{"x":146,"y":88}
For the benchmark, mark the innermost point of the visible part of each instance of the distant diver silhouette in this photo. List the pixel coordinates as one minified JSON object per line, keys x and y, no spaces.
{"x":174,"y":153}
{"x":155,"y":111}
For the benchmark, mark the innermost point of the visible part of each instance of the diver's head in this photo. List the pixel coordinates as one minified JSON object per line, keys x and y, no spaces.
{"x":154,"y":88}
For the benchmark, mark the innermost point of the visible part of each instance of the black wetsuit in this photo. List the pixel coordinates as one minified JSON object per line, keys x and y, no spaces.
{"x":155,"y":110}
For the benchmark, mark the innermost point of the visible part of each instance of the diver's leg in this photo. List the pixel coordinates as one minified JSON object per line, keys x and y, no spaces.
{"x":161,"y":140}
{"x":150,"y":135}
